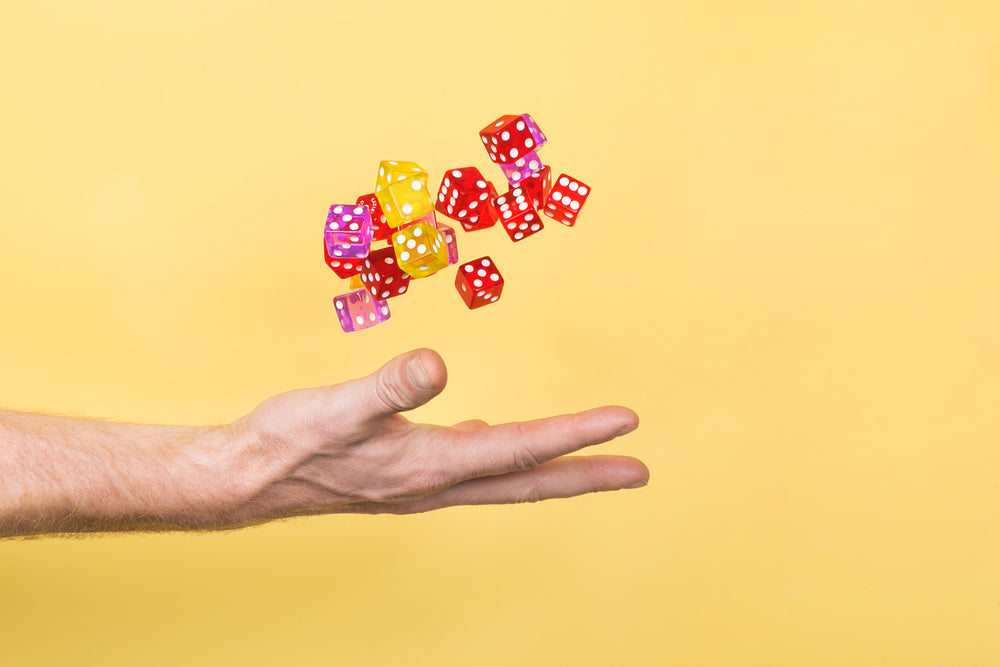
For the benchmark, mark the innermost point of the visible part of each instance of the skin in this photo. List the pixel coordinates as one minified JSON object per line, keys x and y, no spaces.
{"x":340,"y":448}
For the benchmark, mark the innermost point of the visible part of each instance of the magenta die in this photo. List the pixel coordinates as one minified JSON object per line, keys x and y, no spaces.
{"x":358,"y":310}
{"x":348,"y":231}
{"x":536,"y":132}
{"x":522,"y":168}
{"x":450,"y":241}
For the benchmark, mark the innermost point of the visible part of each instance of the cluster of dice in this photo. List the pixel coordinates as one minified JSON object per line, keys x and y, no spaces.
{"x":402,"y":212}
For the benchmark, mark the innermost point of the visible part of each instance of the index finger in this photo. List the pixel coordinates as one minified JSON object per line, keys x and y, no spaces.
{"x":495,"y":450}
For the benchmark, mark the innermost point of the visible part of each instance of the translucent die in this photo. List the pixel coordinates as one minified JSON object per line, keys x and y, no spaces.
{"x":381,"y":275}
{"x":358,"y":310}
{"x":405,"y":201}
{"x":348,"y":231}
{"x":522,"y":168}
{"x":479,"y":282}
{"x":394,"y":171}
{"x":420,"y":249}
{"x":566,"y":199}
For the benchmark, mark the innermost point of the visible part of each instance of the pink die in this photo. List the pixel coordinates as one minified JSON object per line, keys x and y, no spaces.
{"x":566,"y":199}
{"x":348,"y":231}
{"x":450,"y":241}
{"x":358,"y":310}
{"x":522,"y":168}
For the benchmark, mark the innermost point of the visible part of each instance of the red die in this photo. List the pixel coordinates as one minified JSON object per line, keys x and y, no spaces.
{"x":507,"y":138}
{"x":467,"y":197}
{"x":343,"y":267}
{"x":382,"y":276}
{"x":380,"y":228}
{"x":479,"y":282}
{"x":518,"y":217}
{"x":566,"y":199}
{"x":538,"y":186}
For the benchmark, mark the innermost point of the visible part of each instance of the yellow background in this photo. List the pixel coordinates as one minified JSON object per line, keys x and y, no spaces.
{"x":788,"y":267}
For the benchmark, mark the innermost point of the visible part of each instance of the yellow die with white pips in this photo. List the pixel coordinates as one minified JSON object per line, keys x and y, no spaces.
{"x":402,"y":192}
{"x":420,"y":249}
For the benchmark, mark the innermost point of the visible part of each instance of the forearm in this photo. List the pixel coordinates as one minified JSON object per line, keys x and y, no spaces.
{"x":63,"y":474}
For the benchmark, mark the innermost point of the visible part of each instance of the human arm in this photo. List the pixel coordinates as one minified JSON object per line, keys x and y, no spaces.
{"x":341,"y":448}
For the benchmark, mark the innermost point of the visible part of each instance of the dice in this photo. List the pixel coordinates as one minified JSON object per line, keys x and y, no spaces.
{"x":467,"y":197}
{"x":538,"y":186}
{"x":534,"y":130}
{"x":509,"y":138}
{"x":348,"y":231}
{"x":517,"y":216}
{"x":358,"y":310}
{"x":382,"y":276}
{"x":420,"y":248}
{"x":566,"y":199}
{"x":380,"y":227}
{"x":401,"y":191}
{"x":478,"y":282}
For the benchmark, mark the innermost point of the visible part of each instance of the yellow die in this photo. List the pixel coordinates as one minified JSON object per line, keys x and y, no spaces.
{"x":402,"y":192}
{"x":420,"y":249}
{"x":355,"y":282}
{"x":393,"y":171}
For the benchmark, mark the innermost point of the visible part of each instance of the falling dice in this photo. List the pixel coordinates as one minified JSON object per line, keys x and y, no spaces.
{"x":467,"y":197}
{"x":517,"y":216}
{"x":538,"y":186}
{"x":348,"y":231}
{"x":420,"y":249}
{"x":401,"y":191}
{"x":566,"y":199}
{"x":380,"y":227}
{"x":382,"y":276}
{"x":509,"y":138}
{"x":359,"y":310}
{"x":478,"y":282}
{"x":536,"y":132}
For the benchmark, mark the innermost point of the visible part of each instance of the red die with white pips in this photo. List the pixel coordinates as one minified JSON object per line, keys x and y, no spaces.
{"x":566,"y":199}
{"x":479,"y":282}
{"x":517,"y":216}
{"x":508,"y":138}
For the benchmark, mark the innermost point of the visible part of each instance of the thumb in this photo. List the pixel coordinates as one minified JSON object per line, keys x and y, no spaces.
{"x":405,"y":383}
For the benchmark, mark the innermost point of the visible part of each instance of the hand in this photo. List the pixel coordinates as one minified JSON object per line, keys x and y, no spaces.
{"x":346,"y":448}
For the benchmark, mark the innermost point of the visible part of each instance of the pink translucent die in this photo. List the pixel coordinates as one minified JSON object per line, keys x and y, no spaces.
{"x":358,"y":310}
{"x":522,"y":168}
{"x":348,"y":231}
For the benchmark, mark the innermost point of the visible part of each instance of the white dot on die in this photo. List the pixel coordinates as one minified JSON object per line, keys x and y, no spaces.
{"x":407,"y":209}
{"x":520,"y":125}
{"x":456,"y":174}
{"x":411,"y":244}
{"x":573,"y":186}
{"x":512,"y":225}
{"x":371,"y":317}
{"x":357,"y":210}
{"x":535,"y":227}
{"x":477,"y":283}
{"x":563,"y":181}
{"x":505,"y":135}
{"x":516,"y":176}
{"x":583,"y":190}
{"x":401,"y":289}
{"x":403,"y":256}
{"x":421,"y":249}
{"x":467,"y":268}
{"x":518,"y":236}
{"x":385,"y":310}
{"x":418,"y":231}
{"x":401,"y":239}
{"x":386,"y":294}
{"x":494,"y":298}
{"x":339,"y":304}
{"x":481,"y":272}
{"x":415,"y":185}
{"x":486,"y":262}
{"x":338,"y":210}
{"x":513,"y":153}
{"x":555,"y":196}
{"x":528,"y":143}
{"x":360,"y":320}
{"x":574,"y":204}
{"x":494,"y":277}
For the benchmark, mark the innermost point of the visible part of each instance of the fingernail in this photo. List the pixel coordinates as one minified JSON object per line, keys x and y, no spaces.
{"x":638,"y":485}
{"x":418,"y":373}
{"x":626,"y":429}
